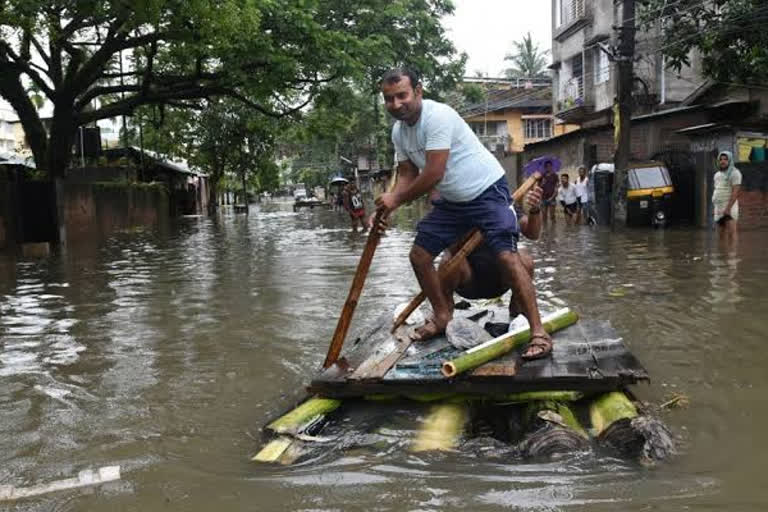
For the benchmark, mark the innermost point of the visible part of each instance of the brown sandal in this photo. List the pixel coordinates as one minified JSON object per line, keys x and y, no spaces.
{"x":540,"y":342}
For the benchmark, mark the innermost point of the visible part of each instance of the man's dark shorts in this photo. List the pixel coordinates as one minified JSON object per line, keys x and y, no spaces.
{"x":449,"y":221}
{"x":571,"y":209}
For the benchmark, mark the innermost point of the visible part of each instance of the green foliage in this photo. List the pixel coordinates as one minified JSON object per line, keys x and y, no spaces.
{"x":273,"y":56}
{"x":528,"y":60}
{"x":730,"y":34}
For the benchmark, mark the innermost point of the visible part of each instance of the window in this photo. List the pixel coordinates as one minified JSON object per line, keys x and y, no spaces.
{"x":568,"y":11}
{"x":602,"y":67}
{"x":489,"y":128}
{"x":538,"y":128}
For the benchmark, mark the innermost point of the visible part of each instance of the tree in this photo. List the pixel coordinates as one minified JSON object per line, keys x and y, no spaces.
{"x":729,"y":34}
{"x":528,"y":60}
{"x":272,"y":56}
{"x":230,"y":140}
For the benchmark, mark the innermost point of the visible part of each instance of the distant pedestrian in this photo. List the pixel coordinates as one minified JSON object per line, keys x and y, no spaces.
{"x":582,"y":184}
{"x":549,"y":188}
{"x":725,"y":197}
{"x":355,"y":206}
{"x":568,"y":197}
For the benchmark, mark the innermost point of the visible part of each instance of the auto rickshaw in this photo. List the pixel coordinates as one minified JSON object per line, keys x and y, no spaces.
{"x":649,"y":194}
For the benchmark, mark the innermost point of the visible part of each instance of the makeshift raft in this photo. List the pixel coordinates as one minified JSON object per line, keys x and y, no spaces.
{"x":588,"y":356}
{"x":560,"y":403}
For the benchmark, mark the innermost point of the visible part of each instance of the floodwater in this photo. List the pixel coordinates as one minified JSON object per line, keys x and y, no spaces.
{"x":166,"y":352}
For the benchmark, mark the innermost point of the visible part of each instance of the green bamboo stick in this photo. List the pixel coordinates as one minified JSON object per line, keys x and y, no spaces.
{"x":304,"y":415}
{"x":442,"y":428}
{"x":610,"y":408}
{"x":531,"y":396}
{"x":497,"y":347}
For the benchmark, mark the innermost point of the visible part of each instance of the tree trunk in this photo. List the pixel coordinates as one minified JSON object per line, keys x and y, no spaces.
{"x":213,"y":195}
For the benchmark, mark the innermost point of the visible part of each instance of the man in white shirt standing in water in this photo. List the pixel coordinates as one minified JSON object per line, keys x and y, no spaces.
{"x":437,"y":149}
{"x":582,"y":184}
{"x":725,"y":196}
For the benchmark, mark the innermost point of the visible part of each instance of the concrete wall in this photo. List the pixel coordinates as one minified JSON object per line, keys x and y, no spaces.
{"x":6,"y":230}
{"x":98,"y":209}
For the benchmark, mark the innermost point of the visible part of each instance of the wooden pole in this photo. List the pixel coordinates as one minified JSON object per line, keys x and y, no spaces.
{"x":357,"y":286}
{"x":623,"y":111}
{"x":470,"y":243}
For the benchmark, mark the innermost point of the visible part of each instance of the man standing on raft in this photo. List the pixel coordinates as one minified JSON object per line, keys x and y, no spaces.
{"x":437,"y":149}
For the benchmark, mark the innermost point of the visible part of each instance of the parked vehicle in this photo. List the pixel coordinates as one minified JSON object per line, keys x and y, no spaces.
{"x":649,"y":195}
{"x":300,"y":192}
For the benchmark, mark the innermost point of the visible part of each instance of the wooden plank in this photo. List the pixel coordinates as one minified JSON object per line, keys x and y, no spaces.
{"x":376,"y":366}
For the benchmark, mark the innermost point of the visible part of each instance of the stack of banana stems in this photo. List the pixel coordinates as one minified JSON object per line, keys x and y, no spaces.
{"x":546,"y":424}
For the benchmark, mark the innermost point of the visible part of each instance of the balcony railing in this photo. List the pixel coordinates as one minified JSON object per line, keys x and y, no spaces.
{"x":572,"y":10}
{"x":572,"y":93}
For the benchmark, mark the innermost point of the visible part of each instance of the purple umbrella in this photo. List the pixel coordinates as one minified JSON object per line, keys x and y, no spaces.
{"x":537,"y":164}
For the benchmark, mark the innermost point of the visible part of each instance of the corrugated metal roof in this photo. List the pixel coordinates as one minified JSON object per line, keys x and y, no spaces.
{"x":510,"y":99}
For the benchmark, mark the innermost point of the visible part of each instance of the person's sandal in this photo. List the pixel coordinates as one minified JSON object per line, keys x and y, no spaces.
{"x":543,"y":343}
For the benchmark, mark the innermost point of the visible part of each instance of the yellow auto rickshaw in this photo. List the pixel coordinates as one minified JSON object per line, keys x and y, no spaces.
{"x":649,"y":194}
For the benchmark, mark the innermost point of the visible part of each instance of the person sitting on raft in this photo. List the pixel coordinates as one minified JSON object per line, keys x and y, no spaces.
{"x":479,"y":275}
{"x":432,"y":137}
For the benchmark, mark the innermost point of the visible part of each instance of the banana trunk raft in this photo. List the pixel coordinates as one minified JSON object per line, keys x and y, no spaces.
{"x":573,"y":401}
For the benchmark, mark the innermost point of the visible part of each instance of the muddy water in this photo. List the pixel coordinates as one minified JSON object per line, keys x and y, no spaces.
{"x":166,"y":352}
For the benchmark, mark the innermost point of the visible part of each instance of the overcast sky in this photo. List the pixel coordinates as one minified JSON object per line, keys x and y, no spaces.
{"x":485,"y":29}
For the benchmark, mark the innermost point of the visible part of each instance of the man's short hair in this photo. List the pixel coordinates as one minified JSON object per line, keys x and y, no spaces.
{"x":565,"y":174}
{"x":394,"y":75}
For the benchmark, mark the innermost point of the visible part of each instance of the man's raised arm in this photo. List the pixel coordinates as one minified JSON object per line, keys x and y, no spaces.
{"x":412,"y":185}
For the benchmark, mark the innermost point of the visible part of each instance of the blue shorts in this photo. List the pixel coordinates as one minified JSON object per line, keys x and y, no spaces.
{"x":448,"y":221}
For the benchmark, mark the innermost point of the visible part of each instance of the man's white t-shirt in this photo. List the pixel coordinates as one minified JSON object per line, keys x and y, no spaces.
{"x":470,"y":169}
{"x":581,"y":189}
{"x":723,"y":188}
{"x":568,"y":194}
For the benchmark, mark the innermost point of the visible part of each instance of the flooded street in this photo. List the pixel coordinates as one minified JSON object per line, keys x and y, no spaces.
{"x":166,"y":352}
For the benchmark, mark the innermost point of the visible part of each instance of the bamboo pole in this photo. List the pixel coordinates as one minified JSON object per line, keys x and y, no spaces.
{"x":497,"y":347}
{"x":442,"y":428}
{"x":505,"y":399}
{"x":531,"y":396}
{"x":357,"y":286}
{"x":474,"y":239}
{"x":470,"y":243}
{"x":297,"y":420}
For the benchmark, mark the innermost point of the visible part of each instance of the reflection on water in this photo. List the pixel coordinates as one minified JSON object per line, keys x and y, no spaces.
{"x":166,"y":352}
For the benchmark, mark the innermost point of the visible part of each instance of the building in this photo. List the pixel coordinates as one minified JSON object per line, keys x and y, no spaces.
{"x":514,"y":113}
{"x":7,"y":130}
{"x":584,"y":78}
{"x":681,"y":119}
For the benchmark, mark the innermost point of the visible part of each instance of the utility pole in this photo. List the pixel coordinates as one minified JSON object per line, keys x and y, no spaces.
{"x":622,"y":110}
